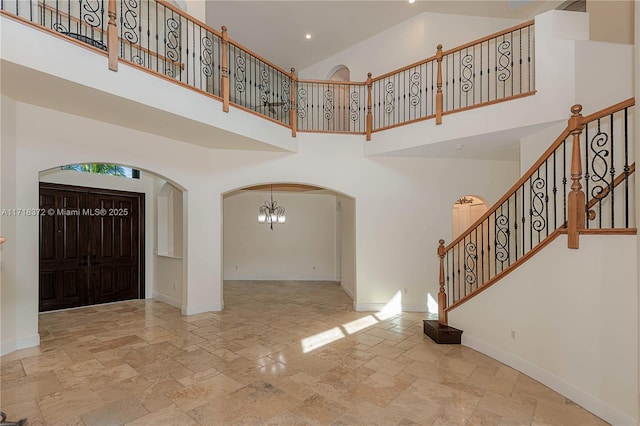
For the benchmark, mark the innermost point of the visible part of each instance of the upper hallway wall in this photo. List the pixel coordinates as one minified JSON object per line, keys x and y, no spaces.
{"x":406,"y":43}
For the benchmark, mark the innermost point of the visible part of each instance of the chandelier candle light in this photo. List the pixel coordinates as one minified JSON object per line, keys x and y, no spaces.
{"x":271,"y":212}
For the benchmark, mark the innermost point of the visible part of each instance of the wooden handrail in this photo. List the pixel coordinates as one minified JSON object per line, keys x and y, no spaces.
{"x":407,"y":67}
{"x":110,"y":33}
{"x":560,"y":139}
{"x":189,"y":17}
{"x":555,"y":234}
{"x":258,"y":57}
{"x":335,"y":82}
{"x":489,"y":37}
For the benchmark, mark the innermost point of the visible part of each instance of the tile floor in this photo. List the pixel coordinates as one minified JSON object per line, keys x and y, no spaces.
{"x":281,"y":353}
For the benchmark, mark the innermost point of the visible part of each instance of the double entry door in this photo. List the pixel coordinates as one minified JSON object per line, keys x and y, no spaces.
{"x":91,"y":246}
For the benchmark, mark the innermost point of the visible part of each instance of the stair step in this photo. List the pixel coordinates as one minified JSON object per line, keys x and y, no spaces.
{"x":442,"y":334}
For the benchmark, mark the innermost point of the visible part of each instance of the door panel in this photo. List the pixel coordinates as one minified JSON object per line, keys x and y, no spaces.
{"x":64,"y":241}
{"x":91,"y":247}
{"x":115,"y":257}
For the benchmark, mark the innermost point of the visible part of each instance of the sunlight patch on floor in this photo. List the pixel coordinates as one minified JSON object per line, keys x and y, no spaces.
{"x":392,"y":308}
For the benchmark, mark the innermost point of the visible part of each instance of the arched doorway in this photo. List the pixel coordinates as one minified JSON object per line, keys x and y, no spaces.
{"x":313,"y":243}
{"x":465,"y":211}
{"x":132,"y":251}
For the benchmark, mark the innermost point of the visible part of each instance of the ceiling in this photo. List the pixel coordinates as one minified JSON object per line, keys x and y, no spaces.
{"x":276,"y":29}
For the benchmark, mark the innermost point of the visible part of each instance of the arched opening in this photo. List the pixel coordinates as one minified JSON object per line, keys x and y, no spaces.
{"x":109,"y":233}
{"x":465,"y":211}
{"x":314,"y":245}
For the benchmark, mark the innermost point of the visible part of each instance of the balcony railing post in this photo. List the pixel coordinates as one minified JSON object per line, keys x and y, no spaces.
{"x":369,"y":103}
{"x":439,"y":86}
{"x":576,"y":201}
{"x":224,"y":78}
{"x":293,"y":113}
{"x":442,"y":295}
{"x":112,"y":36}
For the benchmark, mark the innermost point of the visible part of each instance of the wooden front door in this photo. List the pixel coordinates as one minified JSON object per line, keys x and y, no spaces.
{"x":91,"y":246}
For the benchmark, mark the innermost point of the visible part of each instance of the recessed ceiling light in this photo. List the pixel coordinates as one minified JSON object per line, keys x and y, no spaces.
{"x":307,"y":36}
{"x":412,"y":1}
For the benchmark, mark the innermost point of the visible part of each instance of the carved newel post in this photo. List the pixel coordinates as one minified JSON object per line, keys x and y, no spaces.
{"x":112,"y":36}
{"x":369,"y":103}
{"x":224,"y":78}
{"x":439,"y":86}
{"x":576,"y":202}
{"x":442,"y":296}
{"x":293,"y":113}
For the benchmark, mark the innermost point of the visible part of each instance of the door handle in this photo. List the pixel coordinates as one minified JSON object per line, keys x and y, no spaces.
{"x":85,"y":260}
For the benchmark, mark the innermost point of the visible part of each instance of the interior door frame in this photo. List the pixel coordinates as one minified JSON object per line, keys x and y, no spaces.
{"x":141,"y":224}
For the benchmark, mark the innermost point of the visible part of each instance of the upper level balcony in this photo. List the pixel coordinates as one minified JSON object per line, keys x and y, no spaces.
{"x":485,"y":95}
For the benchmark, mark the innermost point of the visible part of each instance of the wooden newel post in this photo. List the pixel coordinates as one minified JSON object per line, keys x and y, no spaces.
{"x":293,"y":113}
{"x":442,"y":296}
{"x":112,"y":36}
{"x":439,"y":86}
{"x":576,"y":202}
{"x":369,"y":102}
{"x":224,"y":78}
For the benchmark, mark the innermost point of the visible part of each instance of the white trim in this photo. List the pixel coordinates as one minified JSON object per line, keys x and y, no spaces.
{"x":587,"y":401}
{"x":377,"y":307}
{"x":193,"y":310}
{"x":19,"y":343}
{"x":167,"y":299}
{"x":347,"y":290}
{"x":370,"y":307}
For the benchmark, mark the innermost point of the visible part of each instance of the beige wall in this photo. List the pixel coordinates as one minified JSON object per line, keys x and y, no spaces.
{"x":611,"y":21}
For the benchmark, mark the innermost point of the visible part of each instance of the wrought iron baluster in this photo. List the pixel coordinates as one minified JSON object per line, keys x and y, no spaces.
{"x":612,"y":173}
{"x":626,"y":170}
{"x":564,"y":183}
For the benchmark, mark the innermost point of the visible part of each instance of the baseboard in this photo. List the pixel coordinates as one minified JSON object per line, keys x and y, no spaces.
{"x":587,"y":401}
{"x":167,"y":299}
{"x":377,"y":307}
{"x":370,"y":307}
{"x":347,"y":290}
{"x":19,"y":343}
{"x":194,"y":310}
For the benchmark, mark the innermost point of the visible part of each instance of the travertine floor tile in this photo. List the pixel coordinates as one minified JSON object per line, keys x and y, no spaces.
{"x":142,"y":363}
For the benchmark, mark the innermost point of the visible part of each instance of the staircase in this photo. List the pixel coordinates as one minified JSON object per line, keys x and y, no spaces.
{"x":590,"y":159}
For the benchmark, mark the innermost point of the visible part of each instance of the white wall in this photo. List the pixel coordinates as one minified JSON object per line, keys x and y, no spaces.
{"x":393,"y":243}
{"x":303,"y":248}
{"x":348,"y":245}
{"x":8,"y":264}
{"x":576,"y":329}
{"x":408,"y":42}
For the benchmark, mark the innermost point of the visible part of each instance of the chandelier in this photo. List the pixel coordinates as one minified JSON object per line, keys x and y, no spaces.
{"x":271,"y":212}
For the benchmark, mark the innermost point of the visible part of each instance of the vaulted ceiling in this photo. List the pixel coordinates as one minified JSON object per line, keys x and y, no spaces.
{"x":276,"y":29}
